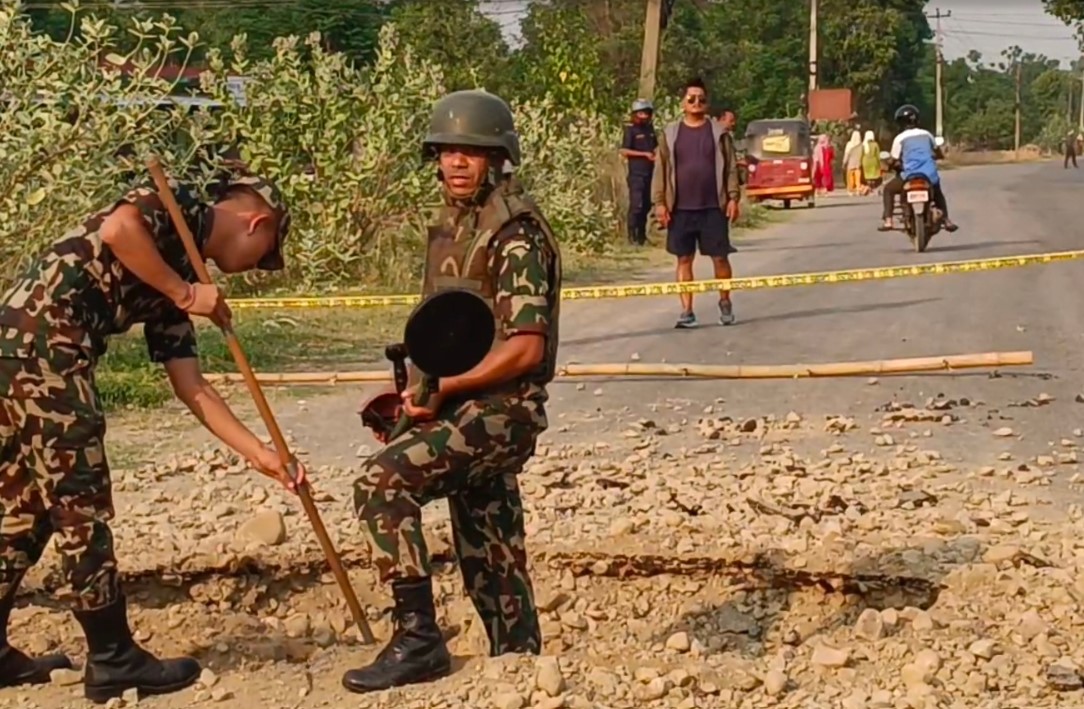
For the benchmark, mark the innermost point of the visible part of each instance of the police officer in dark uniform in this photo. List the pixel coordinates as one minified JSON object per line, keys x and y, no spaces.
{"x":638,"y":148}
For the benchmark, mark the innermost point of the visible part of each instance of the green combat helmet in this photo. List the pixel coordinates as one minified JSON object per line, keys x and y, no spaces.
{"x":475,"y":118}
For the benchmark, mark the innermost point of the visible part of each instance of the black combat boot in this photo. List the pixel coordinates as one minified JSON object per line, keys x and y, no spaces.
{"x":115,"y":662}
{"x":16,"y":668}
{"x":416,"y":653}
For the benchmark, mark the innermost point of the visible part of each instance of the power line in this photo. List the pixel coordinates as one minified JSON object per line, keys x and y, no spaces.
{"x":1016,"y":23}
{"x":1014,"y":35}
{"x":161,"y":5}
{"x":996,"y":14}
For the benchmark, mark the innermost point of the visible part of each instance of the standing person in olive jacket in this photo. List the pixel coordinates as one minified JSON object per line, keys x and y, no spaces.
{"x":695,"y":192}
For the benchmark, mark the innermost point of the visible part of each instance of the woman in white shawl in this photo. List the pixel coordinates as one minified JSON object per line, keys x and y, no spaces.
{"x":852,"y":163}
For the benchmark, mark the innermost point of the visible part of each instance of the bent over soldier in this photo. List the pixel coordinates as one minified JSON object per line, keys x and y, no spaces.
{"x":476,"y":434}
{"x":124,"y":265}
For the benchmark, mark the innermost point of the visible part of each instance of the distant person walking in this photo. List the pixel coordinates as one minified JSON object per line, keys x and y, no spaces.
{"x":695,"y":192}
{"x":823,"y":156}
{"x":871,"y":163}
{"x":1070,"y":150}
{"x":638,"y":149}
{"x":852,"y":163}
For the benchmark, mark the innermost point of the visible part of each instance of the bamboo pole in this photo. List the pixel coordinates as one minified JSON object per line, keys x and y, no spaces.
{"x":702,"y":371}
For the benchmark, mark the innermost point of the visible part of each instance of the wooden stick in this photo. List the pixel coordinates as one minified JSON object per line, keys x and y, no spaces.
{"x":165,"y":193}
{"x":634,"y":369}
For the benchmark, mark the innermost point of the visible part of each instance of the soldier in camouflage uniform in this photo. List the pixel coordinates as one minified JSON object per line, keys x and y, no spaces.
{"x":475,"y":436}
{"x":122,"y":266}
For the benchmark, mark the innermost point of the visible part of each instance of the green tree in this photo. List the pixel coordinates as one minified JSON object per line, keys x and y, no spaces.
{"x":457,"y":36}
{"x":348,"y":26}
{"x":560,"y":58}
{"x":980,"y":98}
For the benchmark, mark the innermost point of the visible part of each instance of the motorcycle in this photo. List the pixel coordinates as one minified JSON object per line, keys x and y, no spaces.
{"x":922,"y":219}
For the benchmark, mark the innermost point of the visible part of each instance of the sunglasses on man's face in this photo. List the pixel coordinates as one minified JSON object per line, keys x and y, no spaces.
{"x":696,"y":100}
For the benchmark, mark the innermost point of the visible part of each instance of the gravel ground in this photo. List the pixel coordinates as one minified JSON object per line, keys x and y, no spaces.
{"x":901,"y":543}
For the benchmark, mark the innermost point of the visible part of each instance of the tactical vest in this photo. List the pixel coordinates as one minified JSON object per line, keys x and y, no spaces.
{"x":459,"y":250}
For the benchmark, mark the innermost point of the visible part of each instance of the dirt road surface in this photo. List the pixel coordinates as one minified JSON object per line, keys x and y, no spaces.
{"x":907,"y":542}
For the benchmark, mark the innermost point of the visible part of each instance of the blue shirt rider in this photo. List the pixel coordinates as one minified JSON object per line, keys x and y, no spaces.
{"x":916,"y":151}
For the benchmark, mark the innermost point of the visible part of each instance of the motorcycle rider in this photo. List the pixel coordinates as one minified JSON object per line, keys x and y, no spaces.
{"x":916,"y":153}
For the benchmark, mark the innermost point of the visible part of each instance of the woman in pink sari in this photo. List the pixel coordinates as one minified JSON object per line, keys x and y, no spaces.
{"x":823,"y":155}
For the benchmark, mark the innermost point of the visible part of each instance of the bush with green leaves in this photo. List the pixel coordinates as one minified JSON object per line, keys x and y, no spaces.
{"x":61,"y":132}
{"x":362,"y":205}
{"x":342,"y":141}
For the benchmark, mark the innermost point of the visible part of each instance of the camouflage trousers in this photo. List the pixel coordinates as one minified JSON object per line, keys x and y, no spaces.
{"x":54,"y":478}
{"x":471,"y":455}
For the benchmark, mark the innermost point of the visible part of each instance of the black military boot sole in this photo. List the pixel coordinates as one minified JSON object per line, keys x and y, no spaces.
{"x":18,"y":669}
{"x":354,"y":682}
{"x":102,"y":694}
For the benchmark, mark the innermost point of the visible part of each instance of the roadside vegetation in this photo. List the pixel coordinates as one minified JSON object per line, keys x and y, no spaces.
{"x":337,"y":99}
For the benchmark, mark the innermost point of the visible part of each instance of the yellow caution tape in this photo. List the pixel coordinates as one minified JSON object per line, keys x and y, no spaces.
{"x":853,"y":275}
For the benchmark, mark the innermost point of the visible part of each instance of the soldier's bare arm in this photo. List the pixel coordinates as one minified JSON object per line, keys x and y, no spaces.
{"x":522,"y":305}
{"x":127,"y":235}
{"x":200,"y":396}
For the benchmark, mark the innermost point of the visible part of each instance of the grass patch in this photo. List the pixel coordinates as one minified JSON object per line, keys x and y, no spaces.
{"x":272,"y":341}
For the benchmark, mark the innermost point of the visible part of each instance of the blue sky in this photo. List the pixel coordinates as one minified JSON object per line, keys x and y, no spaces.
{"x":986,"y":25}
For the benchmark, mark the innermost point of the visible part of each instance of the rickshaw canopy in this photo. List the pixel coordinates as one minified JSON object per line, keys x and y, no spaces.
{"x":778,"y":138}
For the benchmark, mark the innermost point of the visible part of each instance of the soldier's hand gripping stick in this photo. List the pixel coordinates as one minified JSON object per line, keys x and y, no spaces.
{"x":165,"y":193}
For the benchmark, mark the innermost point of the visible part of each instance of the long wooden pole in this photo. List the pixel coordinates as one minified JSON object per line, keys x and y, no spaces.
{"x":165,"y":193}
{"x":634,"y":369}
{"x":813,"y":12}
{"x":1016,"y":134}
{"x":1080,"y":125}
{"x":649,"y":53}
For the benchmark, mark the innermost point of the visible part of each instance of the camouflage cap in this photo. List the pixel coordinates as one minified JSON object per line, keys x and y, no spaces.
{"x":273,"y":261}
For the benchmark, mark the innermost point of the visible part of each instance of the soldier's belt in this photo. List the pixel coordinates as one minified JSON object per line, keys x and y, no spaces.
{"x":854,"y":275}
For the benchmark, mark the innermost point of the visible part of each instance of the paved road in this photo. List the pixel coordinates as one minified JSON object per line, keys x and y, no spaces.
{"x":1003,"y":210}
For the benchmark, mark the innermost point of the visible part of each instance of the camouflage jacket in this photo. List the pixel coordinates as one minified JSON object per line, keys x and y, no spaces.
{"x":77,"y":293}
{"x":503,"y":249}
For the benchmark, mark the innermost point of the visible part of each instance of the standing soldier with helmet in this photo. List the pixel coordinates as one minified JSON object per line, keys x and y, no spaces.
{"x":472,"y":439}
{"x":638,"y":149}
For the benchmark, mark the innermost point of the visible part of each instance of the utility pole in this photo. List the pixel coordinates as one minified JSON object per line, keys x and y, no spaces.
{"x":812,"y":46}
{"x":1016,"y":140}
{"x":649,"y":60}
{"x":1069,"y":108}
{"x":939,"y":60}
{"x":1080,"y":125}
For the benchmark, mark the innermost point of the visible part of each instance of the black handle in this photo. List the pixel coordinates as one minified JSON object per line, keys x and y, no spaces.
{"x":397,"y":354}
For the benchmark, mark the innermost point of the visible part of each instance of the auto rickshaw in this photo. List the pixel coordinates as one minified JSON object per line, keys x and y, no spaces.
{"x":779,"y":161}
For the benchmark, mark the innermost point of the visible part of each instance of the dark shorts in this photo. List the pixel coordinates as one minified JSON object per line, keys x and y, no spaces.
{"x":706,"y":229}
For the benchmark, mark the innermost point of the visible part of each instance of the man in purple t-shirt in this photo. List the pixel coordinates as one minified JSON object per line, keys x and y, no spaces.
{"x":695,"y":192}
